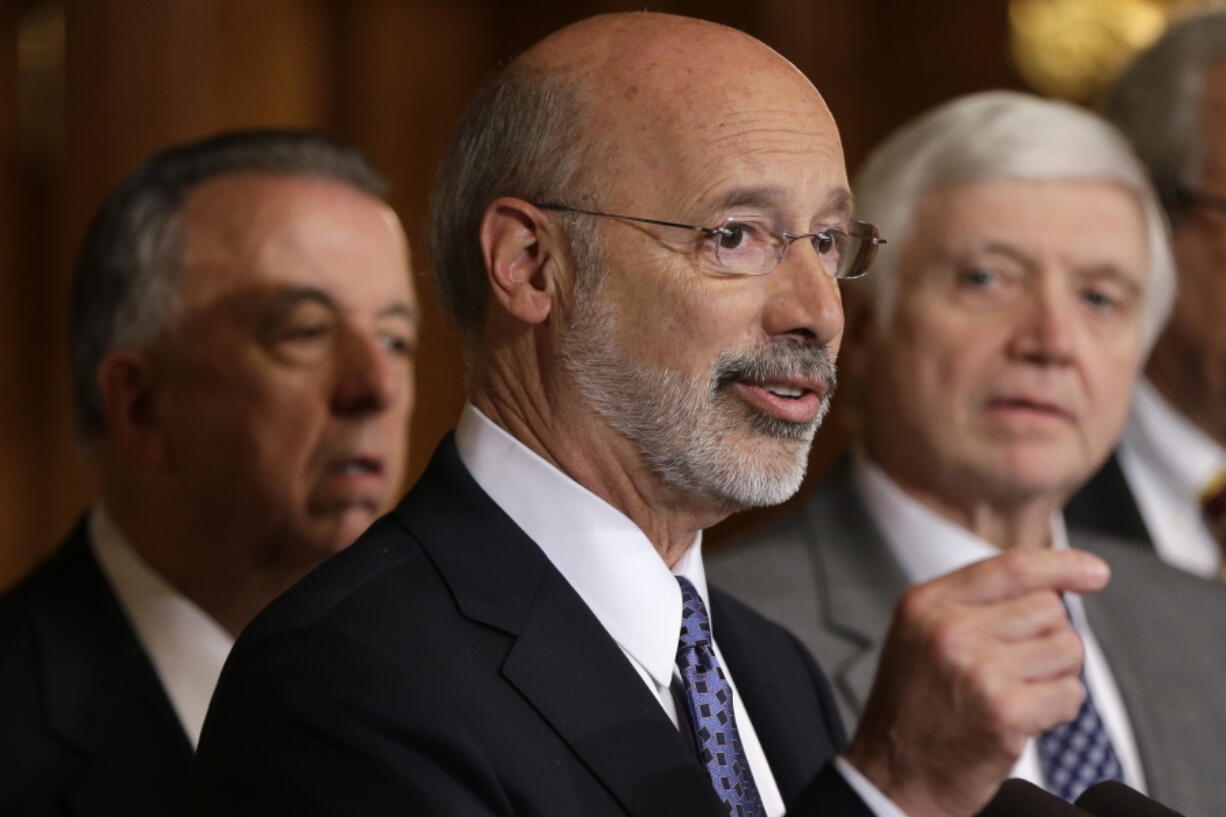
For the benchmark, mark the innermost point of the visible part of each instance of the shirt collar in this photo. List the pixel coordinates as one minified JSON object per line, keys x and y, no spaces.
{"x":186,"y":646}
{"x":604,"y":556}
{"x":1186,"y":457}
{"x":926,"y":544}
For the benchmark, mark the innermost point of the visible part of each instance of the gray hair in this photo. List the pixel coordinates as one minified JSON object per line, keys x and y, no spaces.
{"x":522,"y":136}
{"x":125,"y":287}
{"x":1157,"y":102}
{"x":995,"y":136}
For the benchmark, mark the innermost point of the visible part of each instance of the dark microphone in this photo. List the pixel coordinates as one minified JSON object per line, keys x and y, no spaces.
{"x":1111,"y":798}
{"x":1019,"y":798}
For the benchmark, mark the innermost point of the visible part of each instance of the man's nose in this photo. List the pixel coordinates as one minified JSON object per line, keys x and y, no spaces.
{"x":1046,"y":331}
{"x":805,"y":301}
{"x":367,"y":377}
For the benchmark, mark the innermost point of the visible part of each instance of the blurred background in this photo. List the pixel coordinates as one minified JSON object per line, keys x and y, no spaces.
{"x":90,"y":88}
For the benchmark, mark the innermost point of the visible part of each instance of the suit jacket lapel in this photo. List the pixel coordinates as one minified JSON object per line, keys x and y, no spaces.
{"x":858,"y":580}
{"x":1141,"y":622}
{"x":572,"y":672}
{"x":563,"y":661}
{"x":100,"y":692}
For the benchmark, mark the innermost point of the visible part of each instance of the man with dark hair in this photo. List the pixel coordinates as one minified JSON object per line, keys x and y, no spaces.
{"x":640,"y":228}
{"x":243,"y":329}
{"x":1165,"y":486}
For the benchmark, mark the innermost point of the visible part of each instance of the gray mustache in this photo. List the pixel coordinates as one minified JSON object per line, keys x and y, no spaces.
{"x":776,"y":363}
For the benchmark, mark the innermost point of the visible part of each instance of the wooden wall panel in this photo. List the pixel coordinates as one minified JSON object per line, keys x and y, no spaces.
{"x":410,"y":70}
{"x":13,"y":451}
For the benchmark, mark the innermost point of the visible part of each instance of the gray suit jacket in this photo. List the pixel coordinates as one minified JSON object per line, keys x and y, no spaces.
{"x":826,"y":572}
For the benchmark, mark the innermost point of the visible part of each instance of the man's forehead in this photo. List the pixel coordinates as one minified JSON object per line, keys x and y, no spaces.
{"x":781,"y":157}
{"x":245,"y":228}
{"x":244,"y":214}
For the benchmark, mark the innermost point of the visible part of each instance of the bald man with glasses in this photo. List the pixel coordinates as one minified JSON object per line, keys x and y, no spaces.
{"x":651,"y":348}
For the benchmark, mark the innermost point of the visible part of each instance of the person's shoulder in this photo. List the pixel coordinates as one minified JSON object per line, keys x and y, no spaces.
{"x":733,"y":618}
{"x":67,"y":573}
{"x":1139,"y":576}
{"x":361,"y":575}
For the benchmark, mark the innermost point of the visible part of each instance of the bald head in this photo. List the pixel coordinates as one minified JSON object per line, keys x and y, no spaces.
{"x":655,"y":88}
{"x":637,"y":98}
{"x":615,"y":56}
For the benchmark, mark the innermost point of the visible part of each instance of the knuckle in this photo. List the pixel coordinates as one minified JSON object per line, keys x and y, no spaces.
{"x":1074,"y":647}
{"x":1012,"y":713}
{"x":981,"y":682}
{"x":953,"y":639}
{"x":1051,"y":607}
{"x":1073,"y":695}
{"x":1017,"y":566}
{"x":915,"y":603}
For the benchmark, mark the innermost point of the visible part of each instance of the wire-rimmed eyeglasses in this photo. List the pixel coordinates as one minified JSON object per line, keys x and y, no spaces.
{"x":745,"y":245}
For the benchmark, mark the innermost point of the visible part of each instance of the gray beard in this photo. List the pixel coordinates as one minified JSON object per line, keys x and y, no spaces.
{"x":695,"y":433}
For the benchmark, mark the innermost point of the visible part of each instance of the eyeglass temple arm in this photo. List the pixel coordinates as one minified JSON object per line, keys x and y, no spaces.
{"x":568,"y":209}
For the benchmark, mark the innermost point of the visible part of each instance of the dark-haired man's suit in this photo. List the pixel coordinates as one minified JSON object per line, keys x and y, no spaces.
{"x":442,"y":665}
{"x":85,"y":726}
{"x":827,"y":573}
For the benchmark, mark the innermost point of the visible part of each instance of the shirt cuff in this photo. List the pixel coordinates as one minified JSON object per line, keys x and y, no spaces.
{"x":878,"y":803}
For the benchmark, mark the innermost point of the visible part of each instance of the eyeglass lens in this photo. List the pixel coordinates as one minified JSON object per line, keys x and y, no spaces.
{"x":748,"y":247}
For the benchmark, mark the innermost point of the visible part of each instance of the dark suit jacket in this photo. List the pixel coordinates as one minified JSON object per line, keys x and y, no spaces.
{"x":442,"y":666}
{"x":827,"y":573}
{"x":85,"y":726}
{"x":1105,"y":505}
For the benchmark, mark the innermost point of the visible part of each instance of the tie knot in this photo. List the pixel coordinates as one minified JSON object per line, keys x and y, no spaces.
{"x":695,"y":626}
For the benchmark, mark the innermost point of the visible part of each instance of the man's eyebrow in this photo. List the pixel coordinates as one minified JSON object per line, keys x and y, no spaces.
{"x":840,"y":203}
{"x":287,"y":298}
{"x":1009,"y":251}
{"x":1115,"y":273}
{"x":837,"y":206}
{"x":764,"y":196}
{"x":404,"y":310}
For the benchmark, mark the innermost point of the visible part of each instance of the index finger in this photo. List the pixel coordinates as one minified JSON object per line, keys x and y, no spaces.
{"x":1018,"y":572}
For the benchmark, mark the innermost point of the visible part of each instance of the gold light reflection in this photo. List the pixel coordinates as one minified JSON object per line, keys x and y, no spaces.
{"x":1074,"y":48}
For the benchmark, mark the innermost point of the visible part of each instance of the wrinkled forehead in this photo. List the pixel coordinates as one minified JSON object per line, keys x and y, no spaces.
{"x":696,"y":141}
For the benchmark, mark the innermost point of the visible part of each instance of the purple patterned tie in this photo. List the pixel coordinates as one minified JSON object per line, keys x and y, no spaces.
{"x":710,"y":703}
{"x":1078,"y":754}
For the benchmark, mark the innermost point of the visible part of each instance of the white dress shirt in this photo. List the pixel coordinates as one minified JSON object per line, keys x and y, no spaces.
{"x":618,"y":573}
{"x":186,"y":646}
{"x":1167,"y":462}
{"x":928,"y":546}
{"x":609,"y":562}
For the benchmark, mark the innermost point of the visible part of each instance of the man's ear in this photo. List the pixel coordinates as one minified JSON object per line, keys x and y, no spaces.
{"x":520,"y":258}
{"x":127,"y":383}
